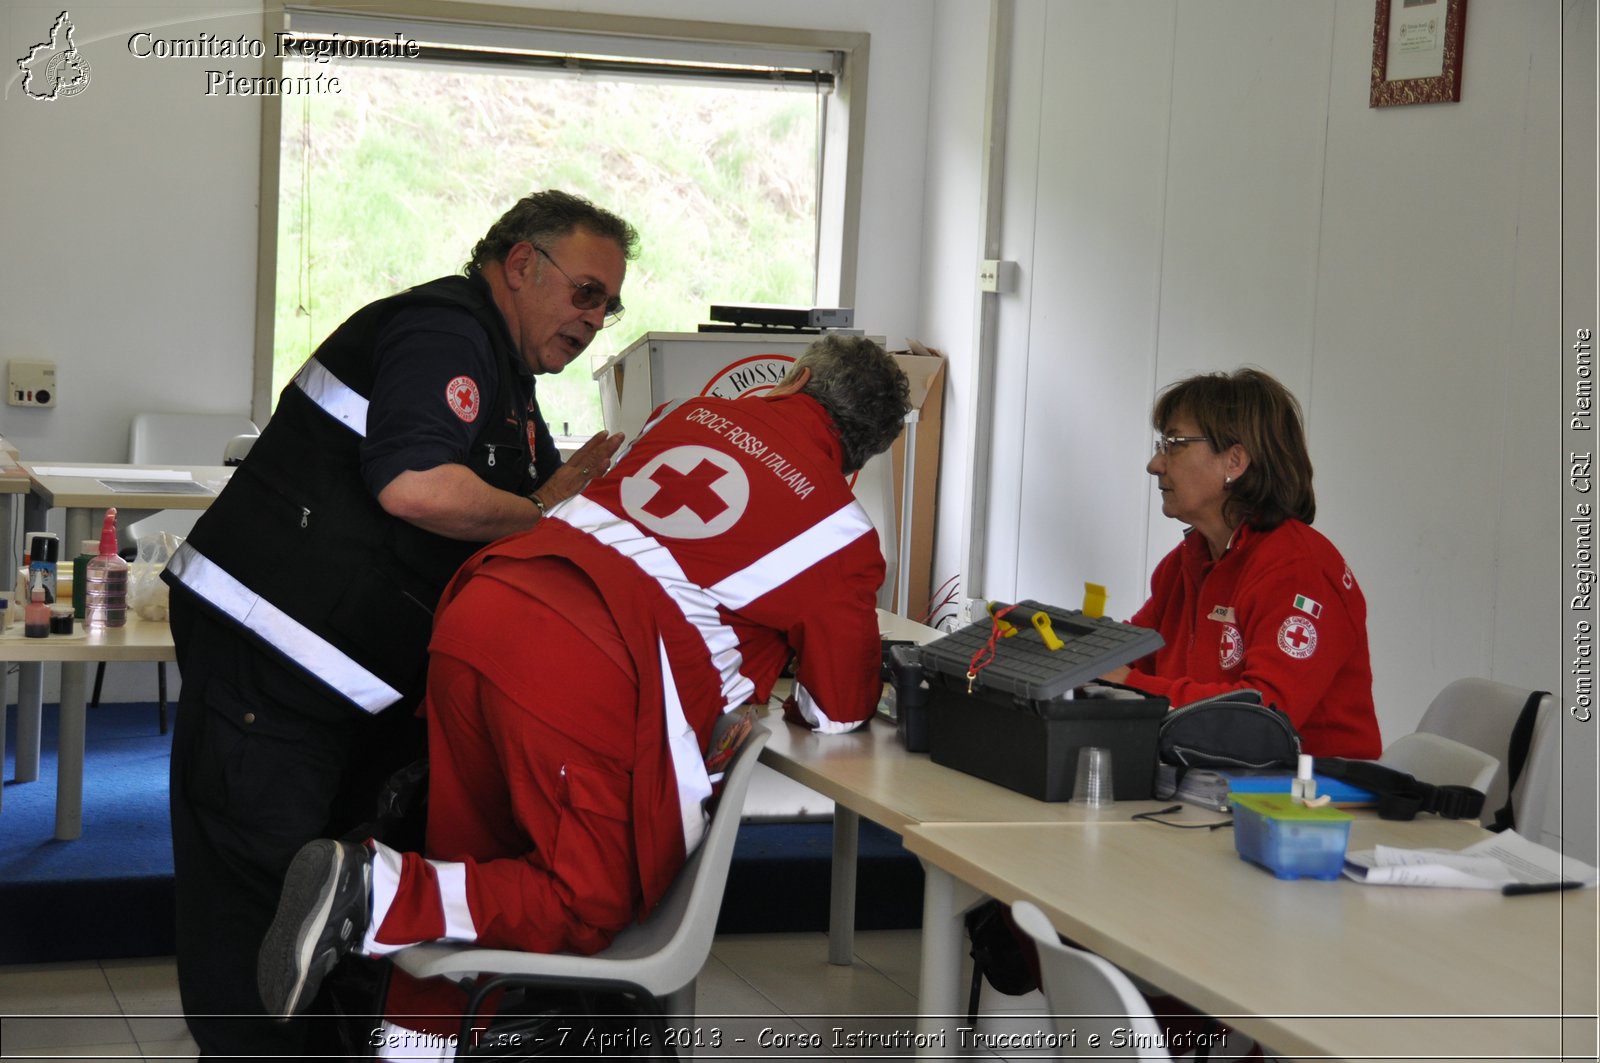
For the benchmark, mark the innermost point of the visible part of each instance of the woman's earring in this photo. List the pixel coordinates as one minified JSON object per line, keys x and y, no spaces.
{"x":1227,"y":481}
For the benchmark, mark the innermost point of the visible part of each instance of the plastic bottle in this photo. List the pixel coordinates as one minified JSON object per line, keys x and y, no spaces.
{"x":42,"y":564}
{"x":106,"y":585}
{"x":36,"y":620}
{"x":87,"y":552}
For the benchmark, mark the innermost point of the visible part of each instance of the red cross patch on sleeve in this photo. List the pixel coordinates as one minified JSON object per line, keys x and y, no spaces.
{"x":462,"y":395}
{"x":1298,"y":637}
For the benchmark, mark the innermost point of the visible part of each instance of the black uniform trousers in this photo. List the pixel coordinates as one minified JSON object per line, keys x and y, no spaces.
{"x":264,"y":759}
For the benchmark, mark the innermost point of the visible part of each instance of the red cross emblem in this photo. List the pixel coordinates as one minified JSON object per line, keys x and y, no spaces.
{"x":1298,"y":637}
{"x":462,"y":396}
{"x":1231,"y":647}
{"x":691,"y":490}
{"x":686,"y":492}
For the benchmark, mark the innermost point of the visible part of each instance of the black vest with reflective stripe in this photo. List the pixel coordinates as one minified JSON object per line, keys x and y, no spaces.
{"x":297,"y":525}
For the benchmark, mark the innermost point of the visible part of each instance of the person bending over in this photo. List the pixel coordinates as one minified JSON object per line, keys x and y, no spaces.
{"x":576,"y":670}
{"x":303,"y":600}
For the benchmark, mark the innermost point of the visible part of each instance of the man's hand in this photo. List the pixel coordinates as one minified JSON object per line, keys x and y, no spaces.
{"x":591,"y":460}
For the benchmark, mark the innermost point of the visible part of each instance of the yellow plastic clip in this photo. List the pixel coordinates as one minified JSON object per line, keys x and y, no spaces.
{"x":1007,"y":628}
{"x":1094,"y":600}
{"x":1041,"y":620}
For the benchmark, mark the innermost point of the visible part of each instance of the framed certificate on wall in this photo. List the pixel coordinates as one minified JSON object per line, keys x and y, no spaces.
{"x":1416,"y":51}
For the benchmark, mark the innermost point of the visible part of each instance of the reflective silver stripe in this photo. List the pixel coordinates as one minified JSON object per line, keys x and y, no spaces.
{"x":812,"y":713}
{"x":334,"y":397}
{"x":668,"y":408}
{"x":698,"y":607}
{"x":452,"y":879}
{"x":385,"y":884}
{"x":401,"y":1042}
{"x":281,"y":631}
{"x":823,"y":539}
{"x":688,"y":763}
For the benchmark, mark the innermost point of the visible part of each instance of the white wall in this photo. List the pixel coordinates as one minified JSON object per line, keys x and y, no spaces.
{"x":1187,"y":186}
{"x":1196,"y":186}
{"x":129,"y":212}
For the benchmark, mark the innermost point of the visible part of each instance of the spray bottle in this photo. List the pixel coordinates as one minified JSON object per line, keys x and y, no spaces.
{"x":106,"y":585}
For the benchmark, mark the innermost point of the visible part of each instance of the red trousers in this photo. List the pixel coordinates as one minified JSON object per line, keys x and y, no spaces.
{"x":530,"y":834}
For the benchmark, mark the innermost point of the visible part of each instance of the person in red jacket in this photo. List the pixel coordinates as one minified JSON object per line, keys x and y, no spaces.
{"x":576,"y":671}
{"x":1252,"y":598}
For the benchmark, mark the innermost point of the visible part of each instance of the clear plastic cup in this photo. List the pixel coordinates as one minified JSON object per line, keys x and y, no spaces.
{"x":1092,"y":784}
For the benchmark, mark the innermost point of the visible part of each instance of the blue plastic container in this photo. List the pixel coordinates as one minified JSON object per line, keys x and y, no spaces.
{"x":1289,"y":839}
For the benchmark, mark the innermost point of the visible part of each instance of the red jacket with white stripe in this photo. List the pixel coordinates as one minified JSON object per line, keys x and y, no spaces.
{"x":1279,"y":612}
{"x":723,"y":539}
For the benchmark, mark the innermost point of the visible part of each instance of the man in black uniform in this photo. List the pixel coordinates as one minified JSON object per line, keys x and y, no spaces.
{"x":304,"y":597}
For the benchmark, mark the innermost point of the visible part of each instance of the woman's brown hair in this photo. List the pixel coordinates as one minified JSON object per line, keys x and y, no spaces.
{"x":1250,"y":408}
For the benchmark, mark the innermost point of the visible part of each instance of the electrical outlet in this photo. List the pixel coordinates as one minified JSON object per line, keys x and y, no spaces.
{"x":997,"y":275}
{"x":31,"y":383}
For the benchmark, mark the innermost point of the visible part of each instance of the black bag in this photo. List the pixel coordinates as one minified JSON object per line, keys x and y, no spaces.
{"x":1232,"y":730}
{"x":1000,"y":953}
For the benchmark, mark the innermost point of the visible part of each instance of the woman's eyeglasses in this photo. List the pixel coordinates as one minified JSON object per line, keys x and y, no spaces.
{"x":588,"y":296}
{"x":1165,"y":444}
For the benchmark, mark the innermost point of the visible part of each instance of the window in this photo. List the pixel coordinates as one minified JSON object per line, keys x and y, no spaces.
{"x":717,"y":152}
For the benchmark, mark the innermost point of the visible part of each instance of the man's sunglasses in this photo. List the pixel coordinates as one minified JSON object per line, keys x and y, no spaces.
{"x":588,"y":296}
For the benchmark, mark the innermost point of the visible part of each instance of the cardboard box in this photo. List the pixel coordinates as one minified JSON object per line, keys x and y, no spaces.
{"x":924,"y":367}
{"x":661,"y":366}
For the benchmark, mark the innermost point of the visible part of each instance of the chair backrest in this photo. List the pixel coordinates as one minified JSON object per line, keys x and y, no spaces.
{"x":184,"y":438}
{"x":1441,"y":761}
{"x":238,"y":448}
{"x":678,"y":932}
{"x":1088,"y":994}
{"x":661,"y":955}
{"x":180,"y":439}
{"x":1481,"y":713}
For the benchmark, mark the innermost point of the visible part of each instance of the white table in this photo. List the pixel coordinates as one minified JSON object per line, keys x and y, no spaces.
{"x":1315,"y":969}
{"x":85,"y":498}
{"x":870,"y":774}
{"x":138,"y":640}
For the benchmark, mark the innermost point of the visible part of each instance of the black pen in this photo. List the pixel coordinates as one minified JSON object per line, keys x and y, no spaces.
{"x":1517,"y":889}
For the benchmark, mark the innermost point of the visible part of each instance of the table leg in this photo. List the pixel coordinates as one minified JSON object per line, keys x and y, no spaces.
{"x":69,"y":751}
{"x":30,"y":676}
{"x":30,"y":713}
{"x":842,"y":897}
{"x":945,"y":901}
{"x":79,"y":527}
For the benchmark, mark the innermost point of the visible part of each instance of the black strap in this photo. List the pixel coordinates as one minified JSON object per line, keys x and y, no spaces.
{"x":1400,"y":794}
{"x":1517,"y":756}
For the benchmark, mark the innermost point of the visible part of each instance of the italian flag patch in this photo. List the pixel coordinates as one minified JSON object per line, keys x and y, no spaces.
{"x":1307,"y":605}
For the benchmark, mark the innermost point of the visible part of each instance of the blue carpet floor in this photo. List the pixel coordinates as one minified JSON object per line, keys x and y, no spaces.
{"x":109,"y":893}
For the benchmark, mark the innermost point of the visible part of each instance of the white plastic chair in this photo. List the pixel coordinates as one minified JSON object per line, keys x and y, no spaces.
{"x":179,"y":439}
{"x":656,"y":961}
{"x":1441,"y":761}
{"x":171,"y":439}
{"x":1088,"y":994}
{"x":1481,"y":713}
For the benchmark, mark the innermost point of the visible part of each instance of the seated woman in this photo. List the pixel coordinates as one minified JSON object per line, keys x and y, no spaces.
{"x":1252,"y":598}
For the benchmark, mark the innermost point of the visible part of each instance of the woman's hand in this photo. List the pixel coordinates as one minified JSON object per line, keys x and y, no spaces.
{"x":1116,"y":675}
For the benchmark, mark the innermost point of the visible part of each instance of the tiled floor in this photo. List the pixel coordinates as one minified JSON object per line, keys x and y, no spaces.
{"x":778,"y":983}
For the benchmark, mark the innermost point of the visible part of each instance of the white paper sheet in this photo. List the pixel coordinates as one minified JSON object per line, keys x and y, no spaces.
{"x":111,"y":472}
{"x":1495,"y":862}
